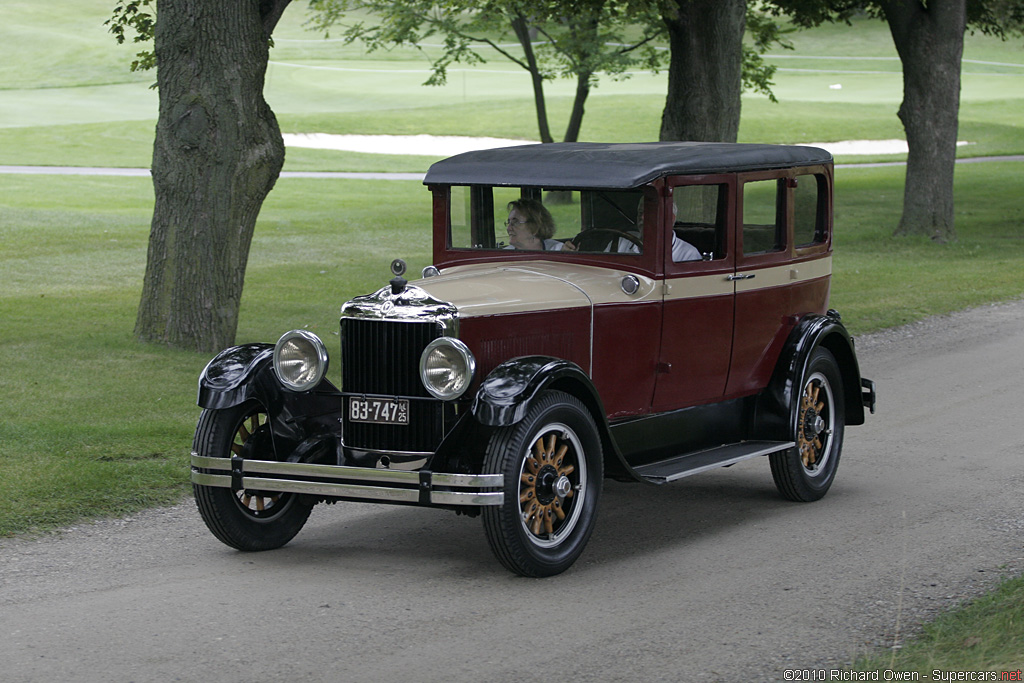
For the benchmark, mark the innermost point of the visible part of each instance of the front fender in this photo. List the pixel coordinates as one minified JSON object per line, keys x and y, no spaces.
{"x":299,"y":422}
{"x":227,"y":380}
{"x":505,"y":395}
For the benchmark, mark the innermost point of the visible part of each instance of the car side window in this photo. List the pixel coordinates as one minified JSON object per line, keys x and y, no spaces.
{"x":589,"y":221}
{"x":700,"y":215}
{"x":809,"y":210}
{"x":764,"y":215}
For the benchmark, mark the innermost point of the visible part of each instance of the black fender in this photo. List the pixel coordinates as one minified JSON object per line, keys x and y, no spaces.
{"x":304,"y":425}
{"x":506,"y":394}
{"x":776,"y":408}
{"x":229,"y":379}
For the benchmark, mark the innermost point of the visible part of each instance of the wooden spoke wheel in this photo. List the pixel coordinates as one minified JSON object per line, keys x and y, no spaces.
{"x":245,"y":519}
{"x":805,"y":472}
{"x":553,"y":475}
{"x":251,"y":437}
{"x":553,"y":469}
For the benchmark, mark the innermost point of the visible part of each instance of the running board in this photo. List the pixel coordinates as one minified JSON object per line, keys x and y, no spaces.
{"x":701,"y":461}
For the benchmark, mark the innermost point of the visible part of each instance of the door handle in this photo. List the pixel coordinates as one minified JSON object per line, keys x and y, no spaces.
{"x":740,"y":276}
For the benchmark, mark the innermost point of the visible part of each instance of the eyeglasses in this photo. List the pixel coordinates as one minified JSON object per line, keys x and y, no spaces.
{"x":509,"y":223}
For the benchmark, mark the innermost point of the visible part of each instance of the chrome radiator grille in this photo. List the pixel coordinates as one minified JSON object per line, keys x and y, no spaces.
{"x":381,"y":358}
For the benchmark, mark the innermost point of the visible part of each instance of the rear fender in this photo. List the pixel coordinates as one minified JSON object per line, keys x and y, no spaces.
{"x":776,"y":407}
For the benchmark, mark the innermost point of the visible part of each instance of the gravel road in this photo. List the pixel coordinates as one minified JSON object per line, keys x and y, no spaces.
{"x":713,"y":578}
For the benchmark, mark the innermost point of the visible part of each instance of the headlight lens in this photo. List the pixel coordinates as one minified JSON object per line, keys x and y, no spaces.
{"x":446,"y":368}
{"x":300,"y":360}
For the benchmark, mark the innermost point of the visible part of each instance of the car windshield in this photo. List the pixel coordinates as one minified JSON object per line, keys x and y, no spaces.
{"x":540,"y":219}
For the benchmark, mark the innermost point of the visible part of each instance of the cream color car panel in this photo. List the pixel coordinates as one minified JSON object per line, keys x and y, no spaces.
{"x":697,"y":286}
{"x":486,"y":289}
{"x":788,"y":274}
{"x":720,"y":284}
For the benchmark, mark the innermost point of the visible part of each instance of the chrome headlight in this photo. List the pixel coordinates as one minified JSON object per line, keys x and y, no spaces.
{"x":446,"y":368}
{"x":300,"y":360}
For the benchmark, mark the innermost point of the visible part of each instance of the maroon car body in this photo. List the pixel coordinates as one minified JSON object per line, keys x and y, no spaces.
{"x":675,"y":321}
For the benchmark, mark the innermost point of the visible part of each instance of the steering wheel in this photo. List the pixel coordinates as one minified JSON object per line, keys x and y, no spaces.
{"x":596,"y":239}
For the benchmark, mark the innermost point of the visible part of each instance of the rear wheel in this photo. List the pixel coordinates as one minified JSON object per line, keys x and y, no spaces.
{"x":806,"y":472}
{"x":553,"y":470}
{"x":249,"y":519}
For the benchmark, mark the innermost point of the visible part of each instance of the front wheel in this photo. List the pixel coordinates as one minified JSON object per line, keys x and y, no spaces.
{"x":246,"y":520}
{"x":553,"y":471}
{"x":805,"y":473}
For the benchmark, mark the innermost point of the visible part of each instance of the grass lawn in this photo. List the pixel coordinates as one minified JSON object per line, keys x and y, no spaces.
{"x":983,"y":635}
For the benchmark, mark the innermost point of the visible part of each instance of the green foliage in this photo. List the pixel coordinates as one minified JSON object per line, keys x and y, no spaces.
{"x":569,"y":37}
{"x":138,"y":17}
{"x":991,"y":17}
{"x":984,"y":635}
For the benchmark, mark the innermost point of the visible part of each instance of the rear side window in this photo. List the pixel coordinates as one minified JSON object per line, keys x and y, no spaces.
{"x":764,"y":227}
{"x":809,"y":211}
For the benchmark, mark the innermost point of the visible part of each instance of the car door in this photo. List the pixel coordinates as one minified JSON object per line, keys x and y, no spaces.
{"x":777,"y":282}
{"x":697,"y":325}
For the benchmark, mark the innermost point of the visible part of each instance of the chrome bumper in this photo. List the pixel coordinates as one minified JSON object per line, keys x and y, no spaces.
{"x":359,"y":483}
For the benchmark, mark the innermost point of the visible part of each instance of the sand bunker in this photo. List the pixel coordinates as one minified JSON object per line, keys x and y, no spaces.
{"x":447,"y":145}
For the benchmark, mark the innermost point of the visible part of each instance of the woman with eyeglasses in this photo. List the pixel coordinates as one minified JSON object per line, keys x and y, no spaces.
{"x":531,"y":226}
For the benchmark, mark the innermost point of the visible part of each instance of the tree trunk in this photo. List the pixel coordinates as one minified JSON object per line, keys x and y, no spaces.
{"x":572,"y":131}
{"x":218,"y":152}
{"x":705,"y":73}
{"x":522,"y":31}
{"x":930,"y":42}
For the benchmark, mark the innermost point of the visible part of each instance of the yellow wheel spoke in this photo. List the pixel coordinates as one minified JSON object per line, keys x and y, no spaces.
{"x":560,"y":456}
{"x":537,"y":522}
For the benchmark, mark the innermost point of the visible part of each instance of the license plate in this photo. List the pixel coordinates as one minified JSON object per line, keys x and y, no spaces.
{"x":388,"y":411}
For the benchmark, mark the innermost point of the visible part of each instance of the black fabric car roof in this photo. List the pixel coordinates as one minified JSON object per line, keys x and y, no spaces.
{"x":612,"y":165}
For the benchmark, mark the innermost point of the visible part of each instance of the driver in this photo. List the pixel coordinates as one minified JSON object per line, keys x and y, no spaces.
{"x":531,"y":226}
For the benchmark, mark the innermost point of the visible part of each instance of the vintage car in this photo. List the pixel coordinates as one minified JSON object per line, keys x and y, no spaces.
{"x":637,"y":311}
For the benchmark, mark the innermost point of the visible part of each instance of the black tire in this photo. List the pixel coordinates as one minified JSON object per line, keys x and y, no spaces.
{"x":553,"y":469}
{"x":806,"y":472}
{"x":246,"y":520}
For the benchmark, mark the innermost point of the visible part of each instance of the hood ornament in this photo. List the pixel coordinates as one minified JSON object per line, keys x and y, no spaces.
{"x":398,"y":282}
